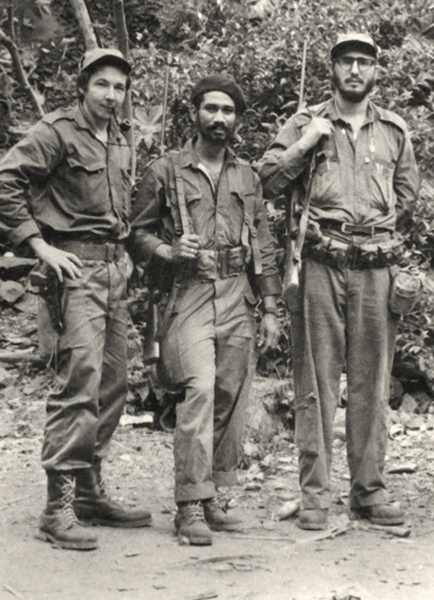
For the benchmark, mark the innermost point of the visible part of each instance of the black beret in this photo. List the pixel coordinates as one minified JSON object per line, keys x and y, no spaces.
{"x":220,"y":83}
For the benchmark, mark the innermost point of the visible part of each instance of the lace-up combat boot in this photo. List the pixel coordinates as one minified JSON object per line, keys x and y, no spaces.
{"x":218,"y":518}
{"x":190,"y":524}
{"x":58,"y":523}
{"x":93,"y":506}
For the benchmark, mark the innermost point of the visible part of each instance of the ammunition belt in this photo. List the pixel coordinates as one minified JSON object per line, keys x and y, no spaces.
{"x":212,"y":264}
{"x":377,"y":253}
{"x":105,"y":251}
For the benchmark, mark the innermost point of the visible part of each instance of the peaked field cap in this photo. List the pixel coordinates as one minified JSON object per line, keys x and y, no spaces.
{"x":360,"y":41}
{"x":220,"y":83}
{"x":109,"y":56}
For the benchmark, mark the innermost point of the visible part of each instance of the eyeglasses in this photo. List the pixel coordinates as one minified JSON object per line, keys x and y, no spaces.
{"x":346,"y":63}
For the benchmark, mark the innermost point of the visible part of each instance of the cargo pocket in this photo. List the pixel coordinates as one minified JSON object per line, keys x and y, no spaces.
{"x":306,"y":423}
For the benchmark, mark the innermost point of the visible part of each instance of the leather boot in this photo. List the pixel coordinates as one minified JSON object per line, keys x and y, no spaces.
{"x":190,"y":524}
{"x":217,"y":517}
{"x":58,"y":523}
{"x":94,"y":507}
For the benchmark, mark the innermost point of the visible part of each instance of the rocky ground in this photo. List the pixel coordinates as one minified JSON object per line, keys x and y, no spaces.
{"x":270,"y":559}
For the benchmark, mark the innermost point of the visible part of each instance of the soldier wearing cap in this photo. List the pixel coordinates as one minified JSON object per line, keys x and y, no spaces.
{"x":200,"y":211}
{"x":65,"y":191}
{"x":356,"y":163}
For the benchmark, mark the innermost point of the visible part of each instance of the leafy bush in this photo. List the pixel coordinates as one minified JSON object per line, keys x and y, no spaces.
{"x":192,"y":38}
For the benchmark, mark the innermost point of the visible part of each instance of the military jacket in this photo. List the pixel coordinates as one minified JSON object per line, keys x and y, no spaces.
{"x":370,"y":180}
{"x":220,"y":216}
{"x":61,"y":180}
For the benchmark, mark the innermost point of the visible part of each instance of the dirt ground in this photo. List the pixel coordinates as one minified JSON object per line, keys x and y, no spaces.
{"x":268,"y":560}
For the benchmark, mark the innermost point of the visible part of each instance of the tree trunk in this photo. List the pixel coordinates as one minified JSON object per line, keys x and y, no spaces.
{"x":86,"y":27}
{"x":122,"y":36}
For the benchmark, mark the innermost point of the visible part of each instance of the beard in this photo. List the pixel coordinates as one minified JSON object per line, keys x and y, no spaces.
{"x":353,"y":96}
{"x":218,"y":134}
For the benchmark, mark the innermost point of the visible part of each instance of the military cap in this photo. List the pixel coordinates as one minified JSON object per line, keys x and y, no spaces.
{"x":220,"y":83}
{"x":354,"y":41}
{"x":104,"y":56}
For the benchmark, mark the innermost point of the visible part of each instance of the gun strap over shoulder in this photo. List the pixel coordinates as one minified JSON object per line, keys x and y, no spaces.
{"x":179,"y":185}
{"x":304,"y":213}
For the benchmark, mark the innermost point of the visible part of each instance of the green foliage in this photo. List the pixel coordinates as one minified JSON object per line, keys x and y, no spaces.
{"x":262,"y":50}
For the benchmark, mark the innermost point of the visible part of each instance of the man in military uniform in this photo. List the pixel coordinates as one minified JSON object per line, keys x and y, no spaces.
{"x":200,"y":210}
{"x":363,"y":184}
{"x":65,"y":191}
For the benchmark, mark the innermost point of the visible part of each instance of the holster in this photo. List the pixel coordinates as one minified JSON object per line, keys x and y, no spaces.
{"x":50,"y":289}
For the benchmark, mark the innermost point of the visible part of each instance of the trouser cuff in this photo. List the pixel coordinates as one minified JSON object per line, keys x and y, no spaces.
{"x":363,"y":500}
{"x":315,"y":502}
{"x":225,"y":478}
{"x":195,"y":491}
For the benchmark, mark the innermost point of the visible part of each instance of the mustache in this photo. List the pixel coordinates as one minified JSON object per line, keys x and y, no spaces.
{"x":221,"y":126}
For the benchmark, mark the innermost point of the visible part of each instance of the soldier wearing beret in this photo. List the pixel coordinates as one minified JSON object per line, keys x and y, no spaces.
{"x":200,"y":211}
{"x":65,"y":191}
{"x":353,"y":162}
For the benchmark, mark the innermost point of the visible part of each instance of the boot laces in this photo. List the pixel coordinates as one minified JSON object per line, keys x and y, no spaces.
{"x":195,"y":511}
{"x":66,"y":484}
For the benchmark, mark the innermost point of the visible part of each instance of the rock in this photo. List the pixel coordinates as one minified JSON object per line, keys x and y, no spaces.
{"x":408,"y":404}
{"x":289,"y":509}
{"x":410,"y":467}
{"x":13,"y":267}
{"x":11,"y":291}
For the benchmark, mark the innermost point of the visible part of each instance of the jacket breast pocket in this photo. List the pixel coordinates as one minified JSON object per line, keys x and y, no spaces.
{"x":89,"y":184}
{"x":326,"y":184}
{"x":380,"y":183}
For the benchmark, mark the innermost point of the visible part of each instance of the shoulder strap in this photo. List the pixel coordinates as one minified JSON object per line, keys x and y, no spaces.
{"x":179,"y":184}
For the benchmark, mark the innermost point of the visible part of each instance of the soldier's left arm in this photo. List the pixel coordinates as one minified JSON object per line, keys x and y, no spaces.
{"x":405,"y":181}
{"x":268,"y":281}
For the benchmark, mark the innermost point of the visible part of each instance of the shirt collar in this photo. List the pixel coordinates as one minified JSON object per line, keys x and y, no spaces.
{"x":188,"y":156}
{"x":331,"y":110}
{"x":84,"y":123}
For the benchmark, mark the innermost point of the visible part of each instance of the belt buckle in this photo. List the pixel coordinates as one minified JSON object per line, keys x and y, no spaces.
{"x":353,"y":229}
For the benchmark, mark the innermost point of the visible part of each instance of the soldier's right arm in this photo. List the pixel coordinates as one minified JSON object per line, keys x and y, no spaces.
{"x":289,"y":154}
{"x":30,"y":163}
{"x":152,"y":228}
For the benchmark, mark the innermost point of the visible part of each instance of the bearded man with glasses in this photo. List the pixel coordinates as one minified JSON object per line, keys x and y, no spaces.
{"x":353,"y":165}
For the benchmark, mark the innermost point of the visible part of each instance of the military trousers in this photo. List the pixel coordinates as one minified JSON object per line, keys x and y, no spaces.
{"x":340,"y":320}
{"x":90,"y":382}
{"x":208,"y":352}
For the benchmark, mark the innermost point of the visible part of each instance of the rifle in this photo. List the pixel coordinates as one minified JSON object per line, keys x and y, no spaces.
{"x":151,"y":344}
{"x":296,"y":231}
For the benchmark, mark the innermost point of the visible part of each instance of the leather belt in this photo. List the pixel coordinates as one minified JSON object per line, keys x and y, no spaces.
{"x":352,"y":228}
{"x":105,"y":251}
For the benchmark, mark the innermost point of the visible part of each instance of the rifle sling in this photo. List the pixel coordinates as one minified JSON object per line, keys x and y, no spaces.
{"x":179,"y":184}
{"x":304,"y":219}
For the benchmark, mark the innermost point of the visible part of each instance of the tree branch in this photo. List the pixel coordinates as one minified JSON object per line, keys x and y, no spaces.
{"x":86,"y":27}
{"x":20,"y":73}
{"x":122,"y":36}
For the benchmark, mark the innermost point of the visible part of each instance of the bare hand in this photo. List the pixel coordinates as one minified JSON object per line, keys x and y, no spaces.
{"x":269,"y":332}
{"x":60,"y":261}
{"x":314,"y":132}
{"x":185,"y":247}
